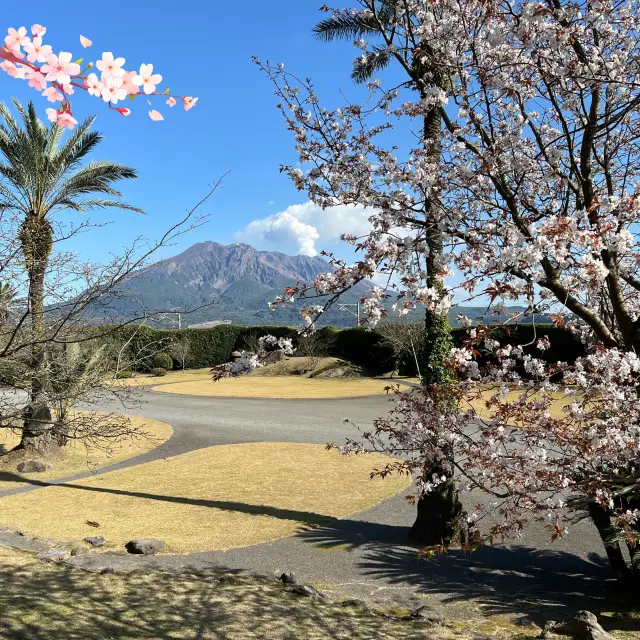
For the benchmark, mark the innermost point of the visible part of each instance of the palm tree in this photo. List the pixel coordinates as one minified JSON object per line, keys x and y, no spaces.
{"x":441,"y":507}
{"x":40,"y":177}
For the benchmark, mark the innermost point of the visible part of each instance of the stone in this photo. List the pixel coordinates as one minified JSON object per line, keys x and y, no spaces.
{"x":427,"y":614}
{"x":338,"y":372}
{"x":236,"y":354}
{"x":273,"y":356}
{"x":288,"y":578}
{"x":144,"y":546}
{"x":584,"y":626}
{"x":33,"y":466}
{"x":95,"y":541}
{"x":107,"y":571}
{"x":305,"y":590}
{"x":54,"y":555}
{"x":354,"y":602}
{"x":79,"y":551}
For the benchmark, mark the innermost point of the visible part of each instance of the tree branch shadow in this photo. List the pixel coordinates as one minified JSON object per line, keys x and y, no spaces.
{"x":540,"y":584}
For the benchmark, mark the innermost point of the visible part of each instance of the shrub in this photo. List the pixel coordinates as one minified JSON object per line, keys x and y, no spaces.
{"x":158,"y":372}
{"x":162,"y":361}
{"x":365,"y":348}
{"x":125,"y":373}
{"x":13,"y":373}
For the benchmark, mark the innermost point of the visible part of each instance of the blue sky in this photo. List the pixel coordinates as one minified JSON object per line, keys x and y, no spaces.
{"x":201,"y":48}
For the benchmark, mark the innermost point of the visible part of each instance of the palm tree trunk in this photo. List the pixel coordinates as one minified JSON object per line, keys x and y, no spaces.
{"x":437,"y":510}
{"x":36,"y":237}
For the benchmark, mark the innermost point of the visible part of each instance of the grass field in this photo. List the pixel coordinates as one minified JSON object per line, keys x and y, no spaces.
{"x":77,"y":458}
{"x":216,"y":498}
{"x":282,"y":387}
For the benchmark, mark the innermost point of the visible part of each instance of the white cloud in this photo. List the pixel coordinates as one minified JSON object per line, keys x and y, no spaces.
{"x":306,"y":226}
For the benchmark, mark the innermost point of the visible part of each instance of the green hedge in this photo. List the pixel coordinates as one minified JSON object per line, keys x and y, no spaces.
{"x":363,"y":347}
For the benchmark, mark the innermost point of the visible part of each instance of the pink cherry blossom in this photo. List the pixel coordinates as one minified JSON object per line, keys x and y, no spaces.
{"x":123,"y":111}
{"x":189,"y":102}
{"x":36,"y":80}
{"x":67,"y":120}
{"x":36,"y":51}
{"x":156,"y":116}
{"x":112,"y":90}
{"x":52,"y":94}
{"x":52,"y":114}
{"x":147,"y":79}
{"x":42,"y":66}
{"x":128,"y":85}
{"x":94,"y":86}
{"x":17,"y":38}
{"x":110,"y":66}
{"x":60,"y":68}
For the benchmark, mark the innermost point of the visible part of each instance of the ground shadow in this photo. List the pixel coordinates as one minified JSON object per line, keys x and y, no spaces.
{"x":48,"y":602}
{"x":306,"y":517}
{"x":539,"y":584}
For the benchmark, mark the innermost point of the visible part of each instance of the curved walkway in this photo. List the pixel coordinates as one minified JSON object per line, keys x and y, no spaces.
{"x":367,"y":555}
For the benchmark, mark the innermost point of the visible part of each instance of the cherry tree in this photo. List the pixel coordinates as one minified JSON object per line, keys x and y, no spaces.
{"x":536,"y":194}
{"x":57,"y":76}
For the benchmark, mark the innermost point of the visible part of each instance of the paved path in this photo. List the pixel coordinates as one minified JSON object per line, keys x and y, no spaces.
{"x":366,"y":555}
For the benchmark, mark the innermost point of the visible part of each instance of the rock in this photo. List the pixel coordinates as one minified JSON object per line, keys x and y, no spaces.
{"x":288,"y":578}
{"x":338,"y":372}
{"x":107,"y":571}
{"x":584,"y":626}
{"x":427,"y":614}
{"x":55,"y":555}
{"x":236,"y":354}
{"x":79,"y":551}
{"x":33,"y":466}
{"x":273,"y":356}
{"x":305,"y":590}
{"x":354,"y":602}
{"x":95,"y":541}
{"x":145,"y":546}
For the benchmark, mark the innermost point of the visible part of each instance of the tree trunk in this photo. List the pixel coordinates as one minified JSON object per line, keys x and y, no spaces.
{"x":602,"y":521}
{"x":438,"y":510}
{"x":36,"y":237}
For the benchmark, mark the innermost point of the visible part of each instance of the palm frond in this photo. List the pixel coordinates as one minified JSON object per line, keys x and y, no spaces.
{"x":369,"y":63}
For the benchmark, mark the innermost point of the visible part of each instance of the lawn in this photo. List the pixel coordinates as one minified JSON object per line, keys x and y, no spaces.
{"x":216,"y":498}
{"x":280,"y":387}
{"x":78,"y":458}
{"x":560,"y":400}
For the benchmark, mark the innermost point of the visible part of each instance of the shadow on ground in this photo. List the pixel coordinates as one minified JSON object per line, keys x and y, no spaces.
{"x":533,"y":584}
{"x":47,"y":602}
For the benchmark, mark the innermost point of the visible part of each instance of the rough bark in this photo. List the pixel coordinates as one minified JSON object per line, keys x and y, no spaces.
{"x":602,"y":521}
{"x":441,"y":508}
{"x":36,"y":237}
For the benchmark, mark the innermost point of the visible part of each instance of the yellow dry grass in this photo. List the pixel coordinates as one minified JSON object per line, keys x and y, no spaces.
{"x":560,"y":400}
{"x":146,"y":379}
{"x":77,"y":458}
{"x":216,"y":498}
{"x":280,"y":387}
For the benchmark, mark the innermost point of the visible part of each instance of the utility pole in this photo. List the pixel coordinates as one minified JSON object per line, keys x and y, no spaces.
{"x":348,"y":308}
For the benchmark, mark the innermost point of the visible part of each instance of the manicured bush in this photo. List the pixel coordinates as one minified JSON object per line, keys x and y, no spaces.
{"x":158,"y":372}
{"x":124,"y":374}
{"x":162,"y":360}
{"x":366,"y":348}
